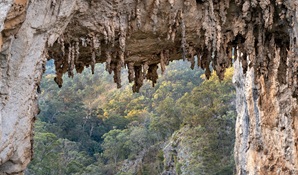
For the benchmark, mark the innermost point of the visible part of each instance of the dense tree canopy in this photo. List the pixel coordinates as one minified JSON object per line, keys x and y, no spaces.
{"x":90,"y":127}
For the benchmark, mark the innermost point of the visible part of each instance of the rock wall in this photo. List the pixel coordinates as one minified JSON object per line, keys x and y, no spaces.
{"x":142,"y":35}
{"x":266,"y":128}
{"x":22,"y":60}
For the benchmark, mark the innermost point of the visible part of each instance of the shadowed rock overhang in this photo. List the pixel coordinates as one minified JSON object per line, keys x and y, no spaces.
{"x":139,"y":35}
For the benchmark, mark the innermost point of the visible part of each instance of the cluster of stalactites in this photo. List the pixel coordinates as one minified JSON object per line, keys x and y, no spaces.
{"x":119,"y":26}
{"x":252,"y":41}
{"x":70,"y":54}
{"x":268,"y":43}
{"x":137,"y":72}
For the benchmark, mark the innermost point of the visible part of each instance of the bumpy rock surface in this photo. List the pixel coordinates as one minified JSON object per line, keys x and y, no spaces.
{"x":143,"y":35}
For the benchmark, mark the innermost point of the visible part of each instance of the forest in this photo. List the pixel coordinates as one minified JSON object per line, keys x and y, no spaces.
{"x":184,"y":125}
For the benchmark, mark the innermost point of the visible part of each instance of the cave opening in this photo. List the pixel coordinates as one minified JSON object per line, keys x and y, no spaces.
{"x":104,"y":129}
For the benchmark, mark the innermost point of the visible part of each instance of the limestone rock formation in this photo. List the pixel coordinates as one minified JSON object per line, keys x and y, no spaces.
{"x":143,"y":35}
{"x":177,"y":153}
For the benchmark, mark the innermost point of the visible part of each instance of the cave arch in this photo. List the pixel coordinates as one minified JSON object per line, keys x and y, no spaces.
{"x":140,"y":34}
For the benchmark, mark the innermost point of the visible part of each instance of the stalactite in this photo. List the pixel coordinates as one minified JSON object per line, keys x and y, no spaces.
{"x":72,"y":60}
{"x":183,"y":39}
{"x":59,"y":66}
{"x":191,"y":59}
{"x":209,"y":25}
{"x":93,"y":57}
{"x":218,"y":38}
{"x":129,"y":27}
{"x":220,"y":68}
{"x":108,"y":61}
{"x":122,"y":41}
{"x":109,"y":30}
{"x":79,"y":68}
{"x":207,"y":64}
{"x":131,"y":72}
{"x":216,"y":35}
{"x":95,"y":44}
{"x":112,"y":68}
{"x":112,"y":26}
{"x":199,"y":62}
{"x":208,"y":73}
{"x":162,"y":62}
{"x":69,"y":60}
{"x":116,"y":67}
{"x":77,"y":48}
{"x":62,"y":45}
{"x":121,"y":56}
{"x":204,"y":59}
{"x":152,"y":74}
{"x":138,"y":82}
{"x":145,"y":69}
{"x":214,"y":32}
{"x":99,"y":49}
{"x":167,"y":57}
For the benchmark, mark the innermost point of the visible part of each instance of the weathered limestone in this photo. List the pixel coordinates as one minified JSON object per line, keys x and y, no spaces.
{"x":266,"y":129}
{"x":22,"y":59}
{"x":144,"y":35}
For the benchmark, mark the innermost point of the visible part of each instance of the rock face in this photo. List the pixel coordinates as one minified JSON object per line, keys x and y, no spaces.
{"x":139,"y":35}
{"x":266,"y":129}
{"x":177,"y":154}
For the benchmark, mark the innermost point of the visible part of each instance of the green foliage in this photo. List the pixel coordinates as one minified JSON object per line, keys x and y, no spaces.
{"x":90,"y":127}
{"x":55,"y":156}
{"x":160,"y":156}
{"x":115,"y":145}
{"x":209,"y":109}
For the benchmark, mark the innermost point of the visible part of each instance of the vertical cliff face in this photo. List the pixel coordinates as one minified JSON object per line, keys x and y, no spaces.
{"x":266,"y":129}
{"x":22,"y":59}
{"x":143,"y":35}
